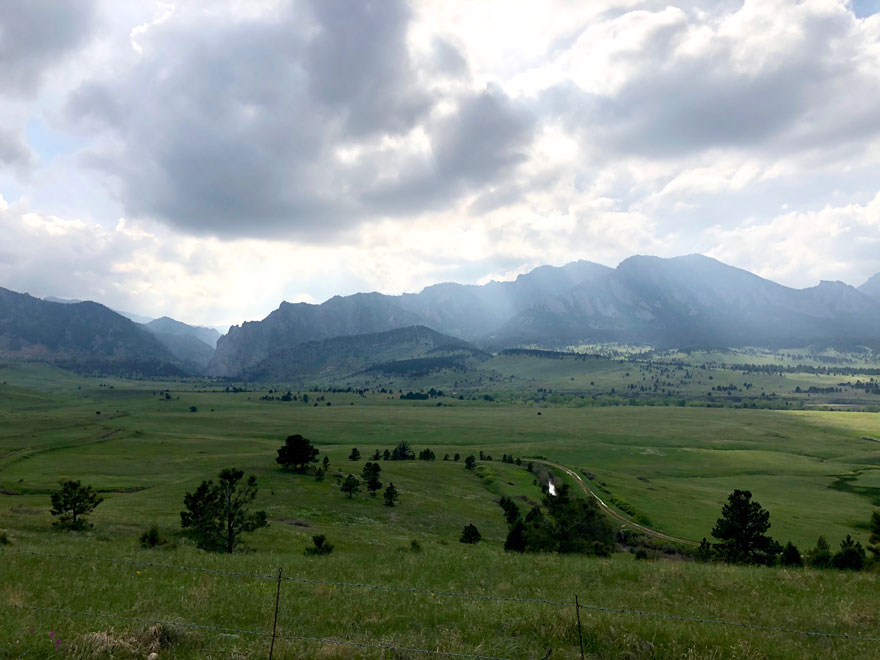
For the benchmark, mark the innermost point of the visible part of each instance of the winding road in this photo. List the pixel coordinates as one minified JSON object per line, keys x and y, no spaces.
{"x":616,"y":515}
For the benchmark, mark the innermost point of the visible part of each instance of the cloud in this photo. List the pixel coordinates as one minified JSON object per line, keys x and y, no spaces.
{"x":801,"y":248}
{"x":302,"y":122}
{"x":36,"y":34}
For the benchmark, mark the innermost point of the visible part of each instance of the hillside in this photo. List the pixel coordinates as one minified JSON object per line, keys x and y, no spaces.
{"x":872,"y":287}
{"x":465,"y":311}
{"x":84,"y":336}
{"x":690,"y":301}
{"x":695,"y":301}
{"x":394,"y":351}
{"x":169,"y":326}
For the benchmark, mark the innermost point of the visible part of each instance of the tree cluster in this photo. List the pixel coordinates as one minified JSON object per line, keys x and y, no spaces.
{"x":571,"y":525}
{"x":741,"y":531}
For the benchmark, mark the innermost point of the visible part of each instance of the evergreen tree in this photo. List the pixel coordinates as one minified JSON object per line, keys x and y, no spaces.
{"x":741,"y":530}
{"x":319,"y":474}
{"x":217,"y":514}
{"x":355,"y":455}
{"x":820,"y":556}
{"x":511,"y":510}
{"x":297,"y":452}
{"x":326,"y":463}
{"x":457,"y":457}
{"x":391,"y":495}
{"x":469,"y":463}
{"x":72,"y":503}
{"x":319,"y":546}
{"x":403,"y":452}
{"x":386,"y":455}
{"x":791,"y":556}
{"x":874,"y":539}
{"x":351,"y":485}
{"x":376,"y":455}
{"x":850,"y":557}
{"x":516,"y":537}
{"x":705,"y":551}
{"x":470,"y":534}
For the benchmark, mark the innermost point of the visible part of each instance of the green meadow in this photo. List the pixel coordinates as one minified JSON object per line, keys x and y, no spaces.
{"x":144,"y":444}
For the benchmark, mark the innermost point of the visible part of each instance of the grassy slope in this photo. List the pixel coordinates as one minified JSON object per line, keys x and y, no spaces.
{"x":691,"y":459}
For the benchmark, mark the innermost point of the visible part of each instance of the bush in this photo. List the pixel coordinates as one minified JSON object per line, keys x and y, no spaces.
{"x":415,"y":546}
{"x":151,"y":538}
{"x":4,"y":540}
{"x":320,"y":546}
{"x":850,"y":557}
{"x":470,"y":534}
{"x":791,"y":556}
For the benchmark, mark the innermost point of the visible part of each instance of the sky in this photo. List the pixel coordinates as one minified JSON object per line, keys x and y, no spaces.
{"x":208,"y":160}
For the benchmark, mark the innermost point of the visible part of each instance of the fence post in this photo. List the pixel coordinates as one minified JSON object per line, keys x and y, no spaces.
{"x":275,"y":621}
{"x":577,"y":608}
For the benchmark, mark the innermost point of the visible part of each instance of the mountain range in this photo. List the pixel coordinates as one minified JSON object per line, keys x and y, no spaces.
{"x":688,"y":302}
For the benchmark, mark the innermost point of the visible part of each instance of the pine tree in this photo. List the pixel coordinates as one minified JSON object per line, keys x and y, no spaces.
{"x":351,"y":485}
{"x":355,"y":455}
{"x":391,"y":495}
{"x":72,"y":503}
{"x":791,"y":556}
{"x":470,"y":534}
{"x":874,"y":539}
{"x":741,"y":530}
{"x":217,"y":515}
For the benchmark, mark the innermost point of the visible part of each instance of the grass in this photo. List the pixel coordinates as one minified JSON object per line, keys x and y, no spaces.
{"x":817,"y":472}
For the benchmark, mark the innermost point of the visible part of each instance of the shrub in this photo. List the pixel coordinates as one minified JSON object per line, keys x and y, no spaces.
{"x":151,"y":537}
{"x":4,"y":540}
{"x":850,"y":557}
{"x":470,"y":534}
{"x":415,"y":546}
{"x":320,"y":546}
{"x":791,"y":556}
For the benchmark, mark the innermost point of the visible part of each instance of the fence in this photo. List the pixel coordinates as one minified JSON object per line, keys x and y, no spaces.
{"x":280,"y":579}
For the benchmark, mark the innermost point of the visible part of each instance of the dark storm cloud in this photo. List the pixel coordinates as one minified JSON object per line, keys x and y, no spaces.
{"x":35,"y":34}
{"x":232,"y":128}
{"x":478,"y":144}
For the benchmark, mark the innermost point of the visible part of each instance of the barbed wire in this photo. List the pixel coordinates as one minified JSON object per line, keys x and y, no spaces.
{"x":459,"y":594}
{"x":255,"y":633}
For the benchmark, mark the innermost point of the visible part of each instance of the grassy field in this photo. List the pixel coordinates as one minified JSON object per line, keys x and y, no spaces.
{"x":816,"y":472}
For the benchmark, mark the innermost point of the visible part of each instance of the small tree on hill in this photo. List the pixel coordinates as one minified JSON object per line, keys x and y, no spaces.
{"x":351,"y":485}
{"x":791,"y":556}
{"x":72,"y":503}
{"x":403,"y":452}
{"x":391,"y":495}
{"x":217,"y":515}
{"x":511,"y":510}
{"x":355,"y":455}
{"x":296,"y":453}
{"x":470,"y":534}
{"x":874,"y":539}
{"x":820,"y":556}
{"x":850,"y":557}
{"x":371,"y":476}
{"x":326,"y":463}
{"x":469,"y":462}
{"x":741,"y":530}
{"x":320,"y":546}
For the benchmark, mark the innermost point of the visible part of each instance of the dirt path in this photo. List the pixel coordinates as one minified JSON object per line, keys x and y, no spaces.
{"x":611,"y":512}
